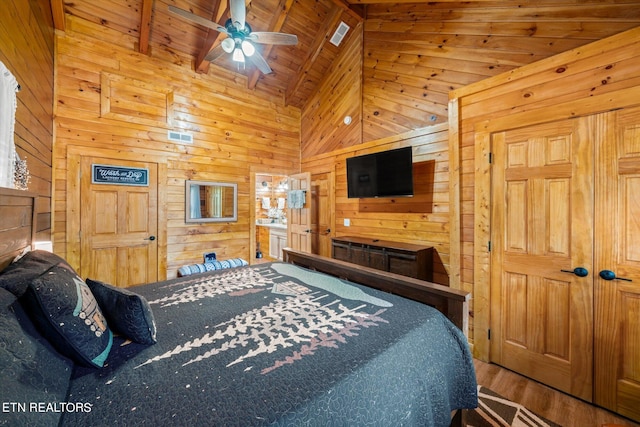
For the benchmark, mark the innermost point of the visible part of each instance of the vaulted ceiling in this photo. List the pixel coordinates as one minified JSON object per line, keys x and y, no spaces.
{"x":428,"y":47}
{"x":297,"y":69}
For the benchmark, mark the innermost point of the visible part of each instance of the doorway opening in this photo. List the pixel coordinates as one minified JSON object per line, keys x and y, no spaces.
{"x":270,"y":194}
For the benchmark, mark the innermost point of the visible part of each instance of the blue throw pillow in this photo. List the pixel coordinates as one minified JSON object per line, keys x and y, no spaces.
{"x":128,"y":313}
{"x":211,"y":266}
{"x":64,"y":309}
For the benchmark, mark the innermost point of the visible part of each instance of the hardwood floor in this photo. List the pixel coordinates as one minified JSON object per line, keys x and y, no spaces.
{"x":545,"y":401}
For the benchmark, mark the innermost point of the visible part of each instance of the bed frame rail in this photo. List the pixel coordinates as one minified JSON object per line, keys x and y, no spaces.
{"x":453,"y":303}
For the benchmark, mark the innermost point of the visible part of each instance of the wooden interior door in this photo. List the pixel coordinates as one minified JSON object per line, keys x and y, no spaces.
{"x":322,"y":214}
{"x":542,"y":222}
{"x":299,"y":220}
{"x":617,"y":317}
{"x":119,"y":225}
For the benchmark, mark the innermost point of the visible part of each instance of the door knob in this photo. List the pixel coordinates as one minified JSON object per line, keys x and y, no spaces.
{"x":152,"y":238}
{"x":578,"y":271}
{"x":610,"y":275}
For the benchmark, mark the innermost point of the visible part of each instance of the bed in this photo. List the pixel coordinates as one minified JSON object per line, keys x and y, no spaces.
{"x":299,"y":342}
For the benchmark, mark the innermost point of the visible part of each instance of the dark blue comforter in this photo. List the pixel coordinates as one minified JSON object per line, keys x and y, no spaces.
{"x":276,"y":344}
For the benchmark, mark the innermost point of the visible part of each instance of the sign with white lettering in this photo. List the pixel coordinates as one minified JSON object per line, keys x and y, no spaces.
{"x":119,"y":175}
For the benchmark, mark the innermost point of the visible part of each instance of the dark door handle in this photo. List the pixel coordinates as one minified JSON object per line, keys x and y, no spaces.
{"x":578,"y":271}
{"x":610,"y":275}
{"x":152,"y":238}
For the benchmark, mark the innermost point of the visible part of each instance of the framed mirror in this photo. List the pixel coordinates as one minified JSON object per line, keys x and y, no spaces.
{"x":211,"y":201}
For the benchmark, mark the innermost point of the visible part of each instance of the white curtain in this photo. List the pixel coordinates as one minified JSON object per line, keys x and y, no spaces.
{"x":195,"y":201}
{"x":213,"y":201}
{"x":8,"y":104}
{"x":217,"y":202}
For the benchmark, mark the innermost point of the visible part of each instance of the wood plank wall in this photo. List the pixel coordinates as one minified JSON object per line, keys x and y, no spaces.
{"x":339,"y":95}
{"x":430,"y":227}
{"x":414,"y":54}
{"x":26,"y":49}
{"x":594,"y":78}
{"x":109,"y":97}
{"x":409,"y":57}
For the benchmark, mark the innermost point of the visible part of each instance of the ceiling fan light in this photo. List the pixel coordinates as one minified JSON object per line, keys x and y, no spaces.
{"x":248,"y":48}
{"x":228,"y":44}
{"x":238,"y":56}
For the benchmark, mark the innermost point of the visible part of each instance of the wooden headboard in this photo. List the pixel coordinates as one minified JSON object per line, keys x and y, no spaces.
{"x":17,"y":223}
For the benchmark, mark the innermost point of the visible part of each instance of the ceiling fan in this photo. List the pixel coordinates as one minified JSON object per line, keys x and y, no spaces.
{"x":240,"y":38}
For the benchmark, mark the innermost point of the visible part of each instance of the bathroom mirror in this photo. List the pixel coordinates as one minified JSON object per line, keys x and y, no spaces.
{"x":211,"y":201}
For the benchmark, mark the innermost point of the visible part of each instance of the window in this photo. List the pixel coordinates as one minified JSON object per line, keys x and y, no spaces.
{"x":8,"y":103}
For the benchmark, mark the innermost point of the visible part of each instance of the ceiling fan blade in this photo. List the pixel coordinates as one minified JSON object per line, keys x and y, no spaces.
{"x":197,"y":19}
{"x":238,"y":13}
{"x":273,"y":38}
{"x":215,"y":53}
{"x":259,"y":61}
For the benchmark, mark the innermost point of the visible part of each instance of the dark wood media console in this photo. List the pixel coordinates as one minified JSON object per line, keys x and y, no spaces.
{"x":401,"y":258}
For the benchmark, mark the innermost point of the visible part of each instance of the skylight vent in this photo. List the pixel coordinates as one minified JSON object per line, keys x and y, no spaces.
{"x":341,"y":31}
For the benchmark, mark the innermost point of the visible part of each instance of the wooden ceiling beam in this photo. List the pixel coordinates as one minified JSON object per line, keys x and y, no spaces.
{"x":345,"y":6}
{"x":145,"y":26}
{"x":213,"y":37}
{"x":276,"y":24}
{"x":57,"y":10}
{"x":322,"y":36}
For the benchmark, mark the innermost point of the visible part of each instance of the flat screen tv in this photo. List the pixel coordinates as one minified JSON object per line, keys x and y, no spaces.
{"x":384,"y":174}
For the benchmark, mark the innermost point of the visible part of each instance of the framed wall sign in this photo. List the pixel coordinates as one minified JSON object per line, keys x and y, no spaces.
{"x":119,"y":175}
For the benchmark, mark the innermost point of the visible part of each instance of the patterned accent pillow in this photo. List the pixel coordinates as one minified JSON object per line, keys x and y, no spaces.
{"x":211,"y":266}
{"x":236,"y":262}
{"x":64,"y":309}
{"x":128,"y":313}
{"x":17,"y":276}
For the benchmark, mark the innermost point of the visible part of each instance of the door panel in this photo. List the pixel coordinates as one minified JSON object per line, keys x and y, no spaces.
{"x":299,"y":220}
{"x":617,"y":327}
{"x":117,"y":223}
{"x":322,"y":214}
{"x":542,"y":217}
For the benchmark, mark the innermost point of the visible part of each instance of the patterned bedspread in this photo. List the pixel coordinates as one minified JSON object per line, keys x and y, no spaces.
{"x":276,"y":344}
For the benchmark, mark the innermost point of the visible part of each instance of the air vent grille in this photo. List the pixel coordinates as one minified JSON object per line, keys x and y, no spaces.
{"x":341,"y":31}
{"x":176,"y":136}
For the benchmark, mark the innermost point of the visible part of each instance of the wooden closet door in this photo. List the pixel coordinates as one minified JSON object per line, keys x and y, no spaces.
{"x":542,"y":222}
{"x":617,"y":243}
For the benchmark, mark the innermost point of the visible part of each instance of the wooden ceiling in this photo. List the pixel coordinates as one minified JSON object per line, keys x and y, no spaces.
{"x":297,"y":70}
{"x":478,"y":38}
